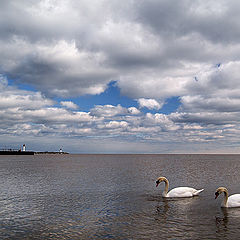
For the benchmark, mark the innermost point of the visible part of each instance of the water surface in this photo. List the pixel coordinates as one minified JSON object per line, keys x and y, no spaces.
{"x":114,"y":197}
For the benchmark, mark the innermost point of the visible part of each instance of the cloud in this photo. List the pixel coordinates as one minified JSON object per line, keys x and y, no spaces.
{"x":108,"y":111}
{"x":161,"y":120}
{"x":27,"y":112}
{"x":48,"y":66}
{"x":153,"y":50}
{"x":116,"y":124}
{"x":133,"y":110}
{"x":149,"y":103}
{"x":217,"y":90}
{"x":38,"y":117}
{"x":160,"y":44}
{"x":69,"y":104}
{"x":11,"y":97}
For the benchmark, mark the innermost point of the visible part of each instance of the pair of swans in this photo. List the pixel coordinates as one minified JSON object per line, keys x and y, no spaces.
{"x":182,"y":192}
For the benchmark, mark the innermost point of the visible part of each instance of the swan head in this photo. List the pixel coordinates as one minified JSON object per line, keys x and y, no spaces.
{"x":219,"y":191}
{"x":160,"y":179}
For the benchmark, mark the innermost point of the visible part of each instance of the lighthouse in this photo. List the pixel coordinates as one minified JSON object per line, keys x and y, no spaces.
{"x":24,"y":148}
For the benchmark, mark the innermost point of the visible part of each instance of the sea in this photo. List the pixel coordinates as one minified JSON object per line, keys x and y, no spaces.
{"x":114,"y":196}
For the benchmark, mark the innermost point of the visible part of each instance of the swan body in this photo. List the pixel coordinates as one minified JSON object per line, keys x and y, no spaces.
{"x":228,"y":201}
{"x":180,"y":192}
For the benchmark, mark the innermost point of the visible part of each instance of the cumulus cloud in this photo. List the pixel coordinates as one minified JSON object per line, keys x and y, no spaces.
{"x":154,"y":50}
{"x":116,"y":124}
{"x":149,"y":103}
{"x":11,"y":97}
{"x":28,"y":113}
{"x":108,"y":111}
{"x":160,"y":44}
{"x":69,"y":104}
{"x":161,"y":120}
{"x":215,"y":90}
{"x":128,"y":125}
{"x":133,"y":110}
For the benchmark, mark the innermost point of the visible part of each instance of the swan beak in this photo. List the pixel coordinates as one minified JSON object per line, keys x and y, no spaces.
{"x":216,"y":194}
{"x":157,"y":182}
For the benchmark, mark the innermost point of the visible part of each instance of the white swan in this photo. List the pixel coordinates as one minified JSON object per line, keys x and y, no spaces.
{"x":177,"y":192}
{"x":228,"y":202}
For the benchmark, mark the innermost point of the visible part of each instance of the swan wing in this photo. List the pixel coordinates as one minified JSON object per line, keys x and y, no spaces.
{"x":183,"y":192}
{"x":197,"y":192}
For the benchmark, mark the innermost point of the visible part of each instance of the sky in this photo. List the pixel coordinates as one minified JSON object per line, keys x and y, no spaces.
{"x":110,"y":76}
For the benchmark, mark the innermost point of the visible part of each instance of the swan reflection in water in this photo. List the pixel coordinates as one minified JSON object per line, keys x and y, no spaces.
{"x":162,"y":209}
{"x":222,"y":222}
{"x":227,"y":218}
{"x":174,"y":208}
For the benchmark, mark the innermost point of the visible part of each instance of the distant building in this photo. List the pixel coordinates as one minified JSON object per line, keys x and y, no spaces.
{"x":24,"y":148}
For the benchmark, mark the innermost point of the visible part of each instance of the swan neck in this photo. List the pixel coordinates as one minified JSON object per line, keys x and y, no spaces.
{"x":166,"y":187}
{"x":225,"y":198}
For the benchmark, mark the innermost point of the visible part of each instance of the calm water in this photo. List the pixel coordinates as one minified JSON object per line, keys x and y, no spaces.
{"x":114,"y":197}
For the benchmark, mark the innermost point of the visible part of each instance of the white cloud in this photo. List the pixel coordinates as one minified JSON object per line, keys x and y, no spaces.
{"x":69,"y":104}
{"x":149,"y":103}
{"x":116,"y":124}
{"x":133,"y":111}
{"x":161,"y":120}
{"x":215,"y":90}
{"x":153,"y":50}
{"x":11,"y":97}
{"x":108,"y":111}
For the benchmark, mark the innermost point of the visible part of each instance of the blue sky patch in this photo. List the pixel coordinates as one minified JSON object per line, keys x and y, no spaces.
{"x":110,"y":96}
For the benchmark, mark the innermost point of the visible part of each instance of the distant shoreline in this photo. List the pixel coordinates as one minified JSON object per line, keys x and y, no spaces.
{"x":19,"y":152}
{"x":51,"y":152}
{"x":16,"y":152}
